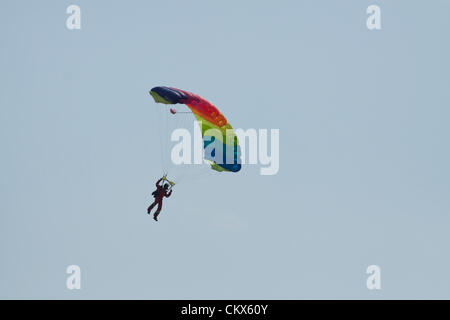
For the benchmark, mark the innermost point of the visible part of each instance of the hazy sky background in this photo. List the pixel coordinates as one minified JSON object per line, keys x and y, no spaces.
{"x":364,"y":151}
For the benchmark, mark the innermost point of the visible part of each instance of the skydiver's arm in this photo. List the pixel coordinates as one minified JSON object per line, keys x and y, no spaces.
{"x":168,"y":194}
{"x":157,"y":182}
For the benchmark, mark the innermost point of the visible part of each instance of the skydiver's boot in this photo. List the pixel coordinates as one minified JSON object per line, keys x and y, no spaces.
{"x":155,"y":216}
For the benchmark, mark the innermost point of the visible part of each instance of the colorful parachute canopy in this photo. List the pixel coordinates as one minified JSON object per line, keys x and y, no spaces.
{"x":208,"y":117}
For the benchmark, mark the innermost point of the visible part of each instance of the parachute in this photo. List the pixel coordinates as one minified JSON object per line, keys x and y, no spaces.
{"x":220,"y":143}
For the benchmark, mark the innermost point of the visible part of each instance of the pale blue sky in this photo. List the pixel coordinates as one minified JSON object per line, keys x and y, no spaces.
{"x":364,"y":175}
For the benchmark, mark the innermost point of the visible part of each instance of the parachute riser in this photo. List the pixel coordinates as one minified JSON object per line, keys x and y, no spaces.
{"x":171,"y":183}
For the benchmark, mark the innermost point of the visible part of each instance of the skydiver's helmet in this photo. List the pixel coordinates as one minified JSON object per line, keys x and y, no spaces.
{"x":166,"y":186}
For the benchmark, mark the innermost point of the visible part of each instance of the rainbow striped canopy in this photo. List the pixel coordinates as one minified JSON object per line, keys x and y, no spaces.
{"x":208,"y":117}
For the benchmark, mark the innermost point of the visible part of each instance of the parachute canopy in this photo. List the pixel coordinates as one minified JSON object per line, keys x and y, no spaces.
{"x":208,"y":117}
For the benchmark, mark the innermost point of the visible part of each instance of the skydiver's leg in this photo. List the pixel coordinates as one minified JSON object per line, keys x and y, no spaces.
{"x":158,"y":210}
{"x":151,"y":207}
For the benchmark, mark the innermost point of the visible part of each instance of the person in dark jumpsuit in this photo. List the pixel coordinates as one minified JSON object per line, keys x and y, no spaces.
{"x":159,"y":194}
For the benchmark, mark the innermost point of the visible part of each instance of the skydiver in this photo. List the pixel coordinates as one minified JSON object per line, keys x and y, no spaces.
{"x":159,"y":194}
